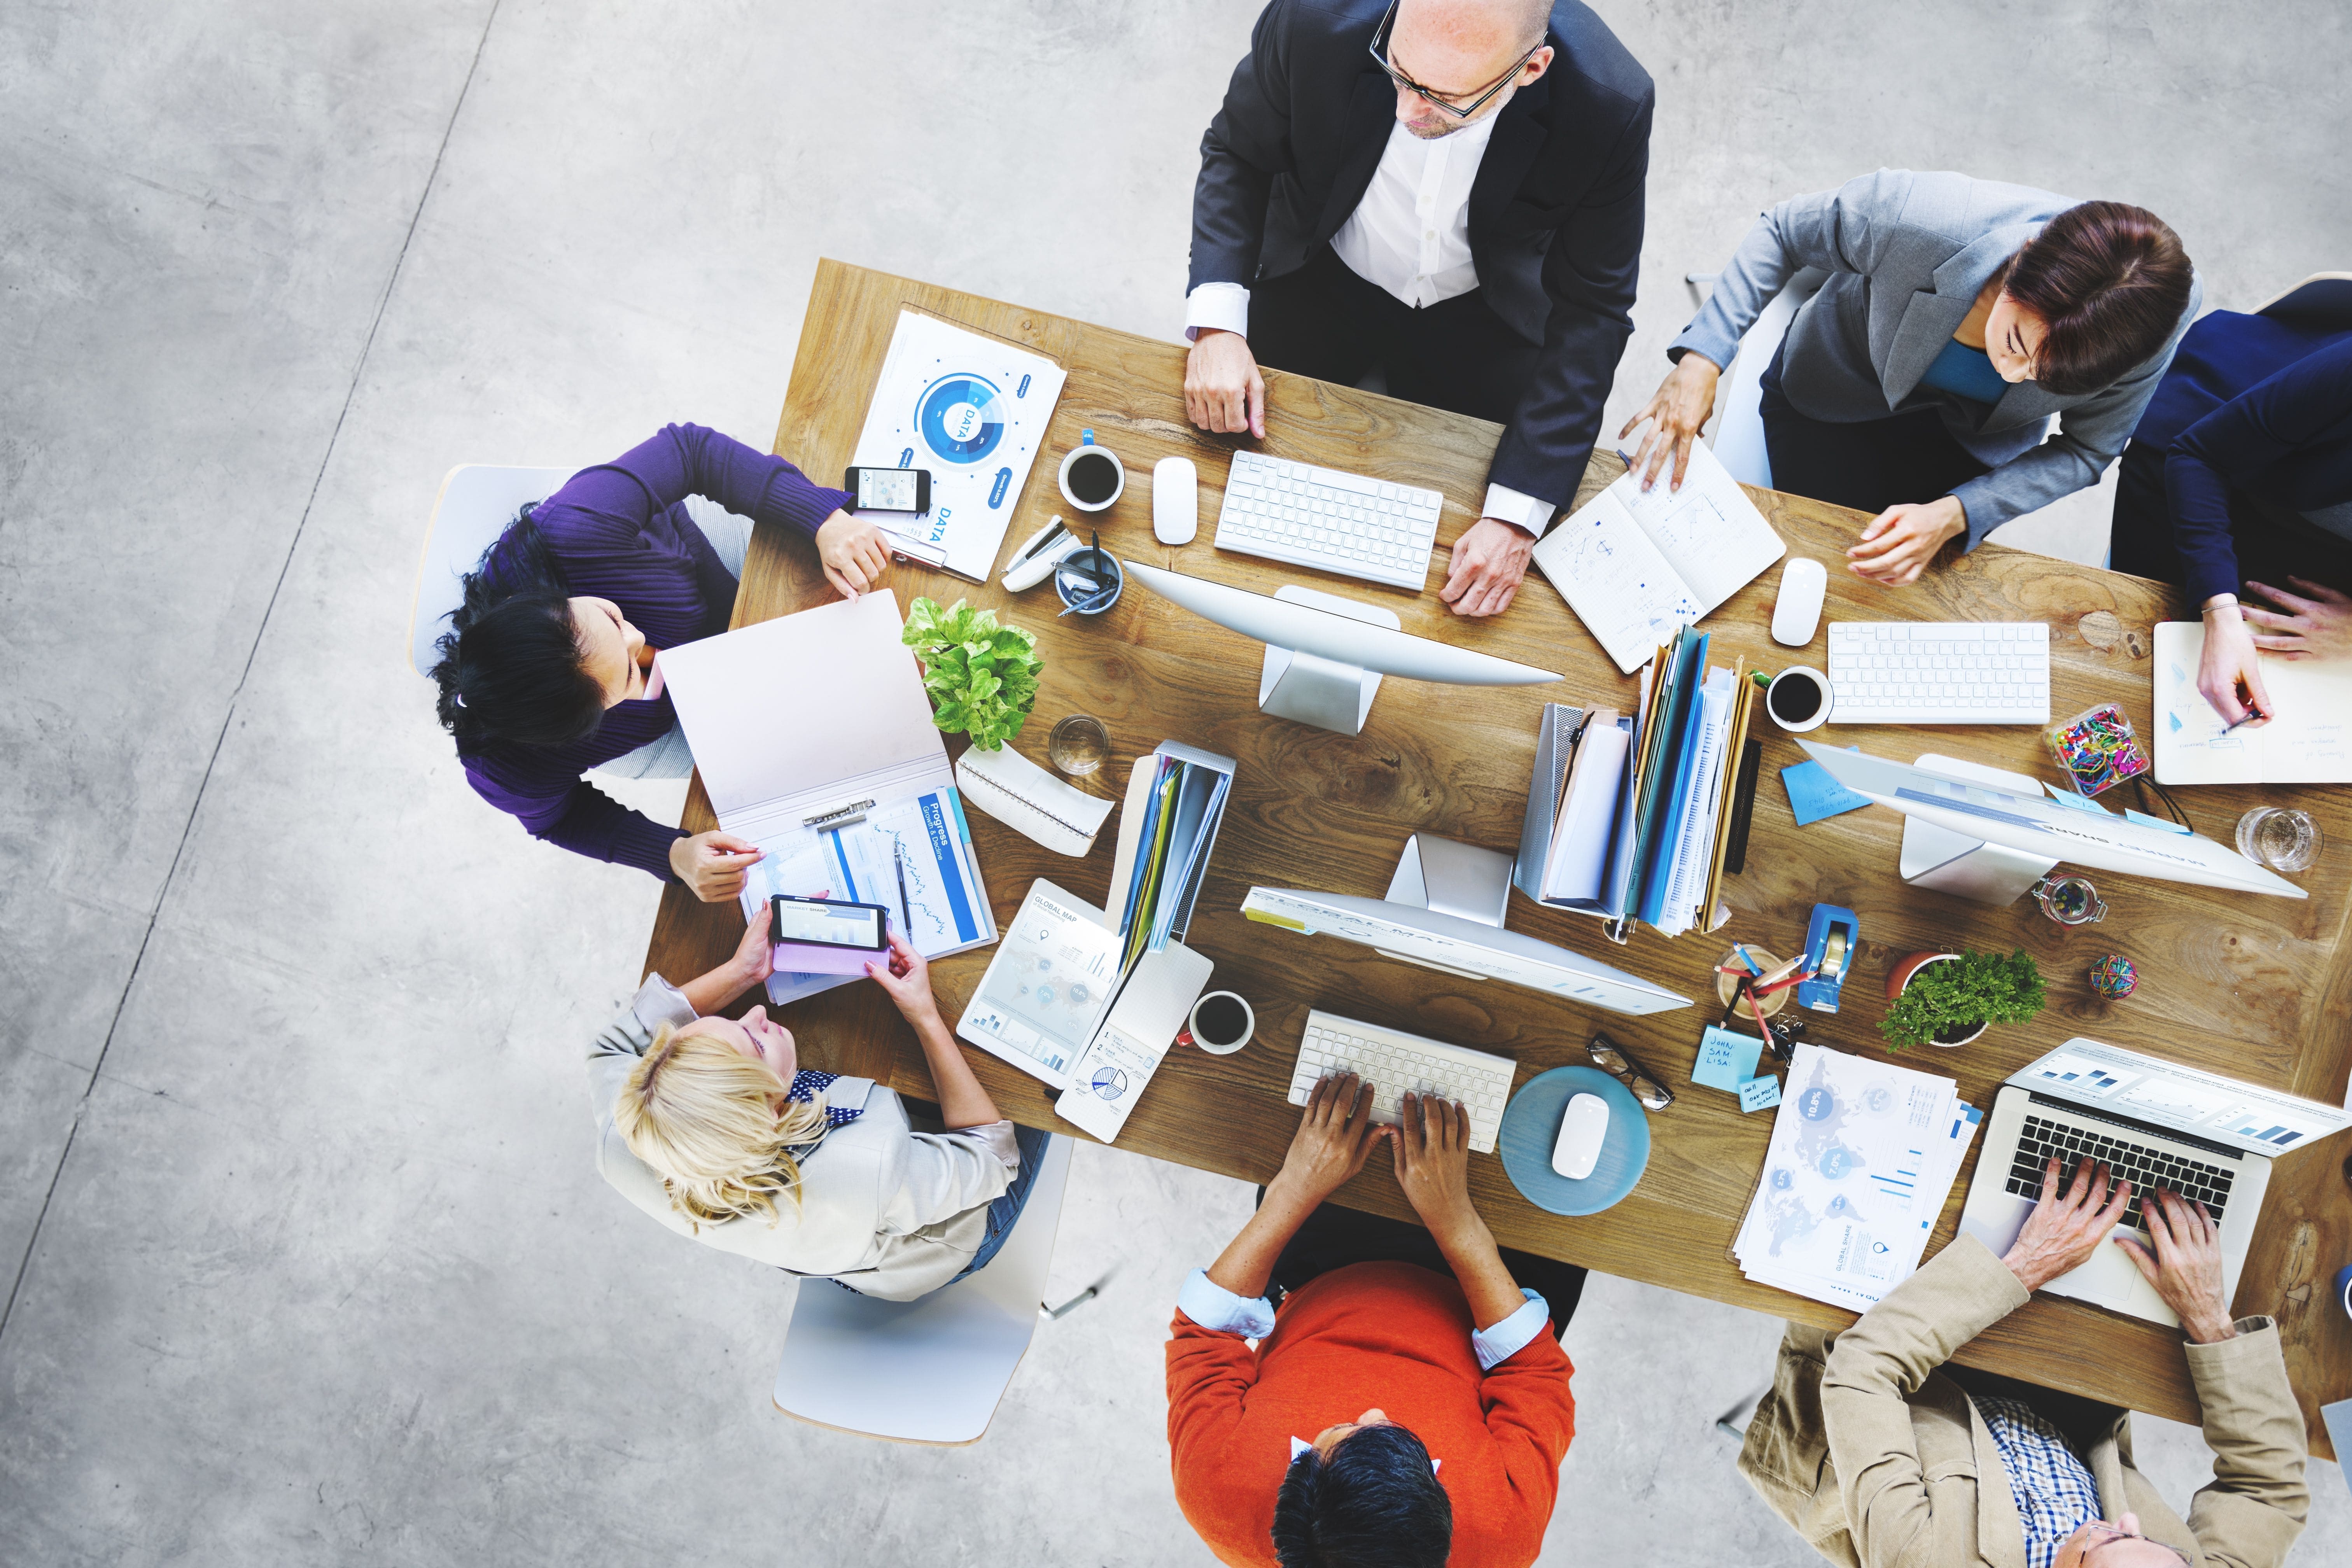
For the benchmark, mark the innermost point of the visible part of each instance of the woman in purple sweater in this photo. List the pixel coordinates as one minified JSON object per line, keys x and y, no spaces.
{"x":546,"y":672}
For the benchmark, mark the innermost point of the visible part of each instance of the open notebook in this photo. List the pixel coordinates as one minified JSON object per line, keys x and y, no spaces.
{"x":2310,"y":741}
{"x":1637,"y":567}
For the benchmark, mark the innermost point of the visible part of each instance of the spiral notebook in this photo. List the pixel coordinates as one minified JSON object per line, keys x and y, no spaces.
{"x":1024,"y":796}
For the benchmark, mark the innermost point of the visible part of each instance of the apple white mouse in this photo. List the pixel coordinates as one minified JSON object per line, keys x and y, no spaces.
{"x":1583,"y":1127}
{"x":1798,"y":612}
{"x":1175,"y":500}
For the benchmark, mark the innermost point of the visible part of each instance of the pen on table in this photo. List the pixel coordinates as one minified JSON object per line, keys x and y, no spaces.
{"x":906,"y":915}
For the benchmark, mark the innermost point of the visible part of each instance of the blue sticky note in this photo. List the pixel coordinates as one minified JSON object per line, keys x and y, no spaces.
{"x":1726,"y":1061}
{"x":2144,"y":820}
{"x":2079,"y":802}
{"x":1813,"y":795}
{"x":1759,"y":1094}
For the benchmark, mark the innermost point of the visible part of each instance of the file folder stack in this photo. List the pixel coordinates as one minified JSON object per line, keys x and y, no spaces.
{"x":1175,"y":803}
{"x":1629,"y":814}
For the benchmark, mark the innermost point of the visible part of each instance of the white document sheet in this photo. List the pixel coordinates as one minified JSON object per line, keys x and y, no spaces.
{"x":2310,"y":741}
{"x":1587,"y":813}
{"x":1118,"y":1062}
{"x":1694,"y":851}
{"x":1862,"y":1158}
{"x":1636,"y":567}
{"x":971,"y":409}
{"x":1046,"y":992}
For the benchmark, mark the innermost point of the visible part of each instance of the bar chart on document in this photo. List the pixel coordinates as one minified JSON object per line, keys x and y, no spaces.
{"x":860,"y":864}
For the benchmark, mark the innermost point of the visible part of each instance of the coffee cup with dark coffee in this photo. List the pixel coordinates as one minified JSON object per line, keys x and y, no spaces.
{"x":1221,"y":1024}
{"x":1092,"y":477}
{"x":1799,"y":699}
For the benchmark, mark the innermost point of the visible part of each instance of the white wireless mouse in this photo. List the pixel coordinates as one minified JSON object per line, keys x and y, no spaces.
{"x":1797,"y":614}
{"x":1175,"y":500}
{"x":1582,"y":1129}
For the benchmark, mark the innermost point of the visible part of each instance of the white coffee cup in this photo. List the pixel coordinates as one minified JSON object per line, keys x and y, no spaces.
{"x":1085,"y":448}
{"x":1775,"y":694}
{"x":1249,"y":1024}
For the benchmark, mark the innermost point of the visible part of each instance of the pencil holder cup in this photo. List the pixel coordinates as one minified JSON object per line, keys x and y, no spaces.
{"x":1089,"y":581}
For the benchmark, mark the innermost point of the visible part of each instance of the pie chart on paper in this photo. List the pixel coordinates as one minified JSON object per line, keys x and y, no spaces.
{"x":962,"y":417}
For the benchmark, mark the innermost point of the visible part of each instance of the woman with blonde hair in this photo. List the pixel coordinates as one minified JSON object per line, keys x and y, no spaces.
{"x":710,"y":1125}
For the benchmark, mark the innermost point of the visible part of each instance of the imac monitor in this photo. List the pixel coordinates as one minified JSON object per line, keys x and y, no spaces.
{"x":2096,"y":838}
{"x":1326,"y":655}
{"x":1459,"y":946}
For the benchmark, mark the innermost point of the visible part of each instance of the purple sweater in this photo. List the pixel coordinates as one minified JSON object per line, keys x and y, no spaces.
{"x":619,"y":531}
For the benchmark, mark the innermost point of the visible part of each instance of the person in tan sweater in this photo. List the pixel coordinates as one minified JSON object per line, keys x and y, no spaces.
{"x":1880,"y":1453}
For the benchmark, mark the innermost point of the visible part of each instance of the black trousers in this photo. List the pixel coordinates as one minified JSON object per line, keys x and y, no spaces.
{"x":2082,"y":1421}
{"x":1325,"y":321}
{"x":2270,"y":546}
{"x":1334,"y":1238}
{"x":1868,"y":466}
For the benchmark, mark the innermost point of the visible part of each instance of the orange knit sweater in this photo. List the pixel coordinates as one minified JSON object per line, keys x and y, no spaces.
{"x":1394,"y":1335}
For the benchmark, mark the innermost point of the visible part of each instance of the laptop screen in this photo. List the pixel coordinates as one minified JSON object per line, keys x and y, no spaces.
{"x":2125,"y":1083}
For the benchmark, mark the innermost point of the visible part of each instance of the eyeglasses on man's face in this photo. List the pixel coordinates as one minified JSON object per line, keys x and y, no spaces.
{"x":1444,"y":103}
{"x":1611,"y":1060}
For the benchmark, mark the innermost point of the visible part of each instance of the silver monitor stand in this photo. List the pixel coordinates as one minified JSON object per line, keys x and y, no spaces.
{"x":1966,"y":868}
{"x":1316,"y":691}
{"x":1454,"y":878}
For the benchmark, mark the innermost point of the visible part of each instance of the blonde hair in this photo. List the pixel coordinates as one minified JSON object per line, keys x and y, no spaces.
{"x":703,"y":1115}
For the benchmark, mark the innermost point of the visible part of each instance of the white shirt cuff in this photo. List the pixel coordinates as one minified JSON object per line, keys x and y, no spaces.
{"x":1223,"y":307}
{"x":1509,"y":504}
{"x":1507,"y":1338}
{"x":1219,"y":1311}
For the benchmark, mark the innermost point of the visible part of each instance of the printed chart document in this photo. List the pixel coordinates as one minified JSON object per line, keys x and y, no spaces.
{"x":1863,"y":1156}
{"x":1127,"y":1050}
{"x":1637,"y":567}
{"x":856,"y":751}
{"x":2309,"y":743}
{"x":970,"y":408}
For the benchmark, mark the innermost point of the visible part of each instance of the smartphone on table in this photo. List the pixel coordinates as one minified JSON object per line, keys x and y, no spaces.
{"x":888,"y":489}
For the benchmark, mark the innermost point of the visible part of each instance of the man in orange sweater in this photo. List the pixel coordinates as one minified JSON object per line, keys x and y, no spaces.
{"x":1392,"y":1416}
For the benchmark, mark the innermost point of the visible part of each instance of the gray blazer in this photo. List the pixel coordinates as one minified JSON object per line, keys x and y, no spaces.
{"x":1907,"y":254}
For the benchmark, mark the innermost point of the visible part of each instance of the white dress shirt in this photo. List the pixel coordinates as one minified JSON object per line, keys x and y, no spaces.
{"x":1411,"y":237}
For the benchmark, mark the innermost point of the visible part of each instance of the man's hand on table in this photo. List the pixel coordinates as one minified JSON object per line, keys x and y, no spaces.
{"x":2065,"y":1227}
{"x":1223,"y":388}
{"x":1487,"y":562}
{"x":2186,"y":1268}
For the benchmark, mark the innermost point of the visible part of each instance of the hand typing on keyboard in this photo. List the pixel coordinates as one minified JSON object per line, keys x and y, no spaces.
{"x":1898,"y":543}
{"x":2185,"y":1267}
{"x":1332,"y":1142}
{"x":2067,"y":1225}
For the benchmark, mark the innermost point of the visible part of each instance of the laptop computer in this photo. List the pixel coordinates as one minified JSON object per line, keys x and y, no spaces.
{"x":2158,"y":1125}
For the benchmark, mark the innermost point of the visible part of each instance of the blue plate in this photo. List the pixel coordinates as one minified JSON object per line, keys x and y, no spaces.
{"x":1531,"y":1129}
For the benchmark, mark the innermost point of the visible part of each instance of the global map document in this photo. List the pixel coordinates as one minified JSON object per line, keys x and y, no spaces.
{"x":1862,"y":1155}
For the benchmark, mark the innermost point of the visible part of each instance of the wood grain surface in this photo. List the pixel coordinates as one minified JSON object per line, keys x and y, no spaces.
{"x":2256,"y":987}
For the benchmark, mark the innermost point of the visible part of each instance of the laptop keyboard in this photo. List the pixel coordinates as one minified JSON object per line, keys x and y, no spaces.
{"x":2143,"y":1168}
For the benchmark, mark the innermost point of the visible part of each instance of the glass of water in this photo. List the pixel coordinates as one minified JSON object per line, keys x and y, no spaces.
{"x":2280,"y":840}
{"x":1078,"y":745}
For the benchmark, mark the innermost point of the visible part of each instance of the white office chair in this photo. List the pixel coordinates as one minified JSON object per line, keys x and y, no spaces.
{"x":928,"y":1370}
{"x":1738,"y":440}
{"x":2326,"y":295}
{"x":475,"y":503}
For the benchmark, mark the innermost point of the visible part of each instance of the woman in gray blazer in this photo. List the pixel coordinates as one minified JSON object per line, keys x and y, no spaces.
{"x":1957,"y":317}
{"x":711,"y":1126}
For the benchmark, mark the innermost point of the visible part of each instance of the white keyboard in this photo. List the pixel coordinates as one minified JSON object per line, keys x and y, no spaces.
{"x":1395,"y":1063}
{"x":1939,"y":672}
{"x":1332,"y":521}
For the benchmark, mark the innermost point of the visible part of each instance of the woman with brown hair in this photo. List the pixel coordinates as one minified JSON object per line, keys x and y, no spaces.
{"x":1919,"y":384}
{"x":710,"y":1125}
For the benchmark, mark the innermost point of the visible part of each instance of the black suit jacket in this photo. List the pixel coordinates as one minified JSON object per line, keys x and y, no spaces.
{"x":1555,"y":211}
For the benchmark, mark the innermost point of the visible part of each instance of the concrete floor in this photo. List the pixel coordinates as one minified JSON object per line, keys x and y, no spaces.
{"x":304,"y":1259}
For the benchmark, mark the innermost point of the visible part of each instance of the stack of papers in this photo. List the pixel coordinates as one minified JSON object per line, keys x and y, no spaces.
{"x":1864,"y":1154}
{"x":1173,"y":806}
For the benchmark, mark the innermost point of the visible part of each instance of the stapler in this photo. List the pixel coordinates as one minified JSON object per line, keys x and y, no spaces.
{"x":1831,"y":941}
{"x":1035,"y":560}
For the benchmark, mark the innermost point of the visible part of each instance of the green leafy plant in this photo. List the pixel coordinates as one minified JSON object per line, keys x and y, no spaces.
{"x":1956,"y":997}
{"x":981,"y":677}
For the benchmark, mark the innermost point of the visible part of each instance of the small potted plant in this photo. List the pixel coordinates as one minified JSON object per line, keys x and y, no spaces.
{"x":981,"y":677}
{"x":1950,"y":998}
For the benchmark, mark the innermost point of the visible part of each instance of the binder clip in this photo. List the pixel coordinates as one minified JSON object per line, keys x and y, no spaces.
{"x":1830,"y":942}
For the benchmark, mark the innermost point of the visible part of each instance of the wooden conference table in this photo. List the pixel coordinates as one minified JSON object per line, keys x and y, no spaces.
{"x":2256,"y":987}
